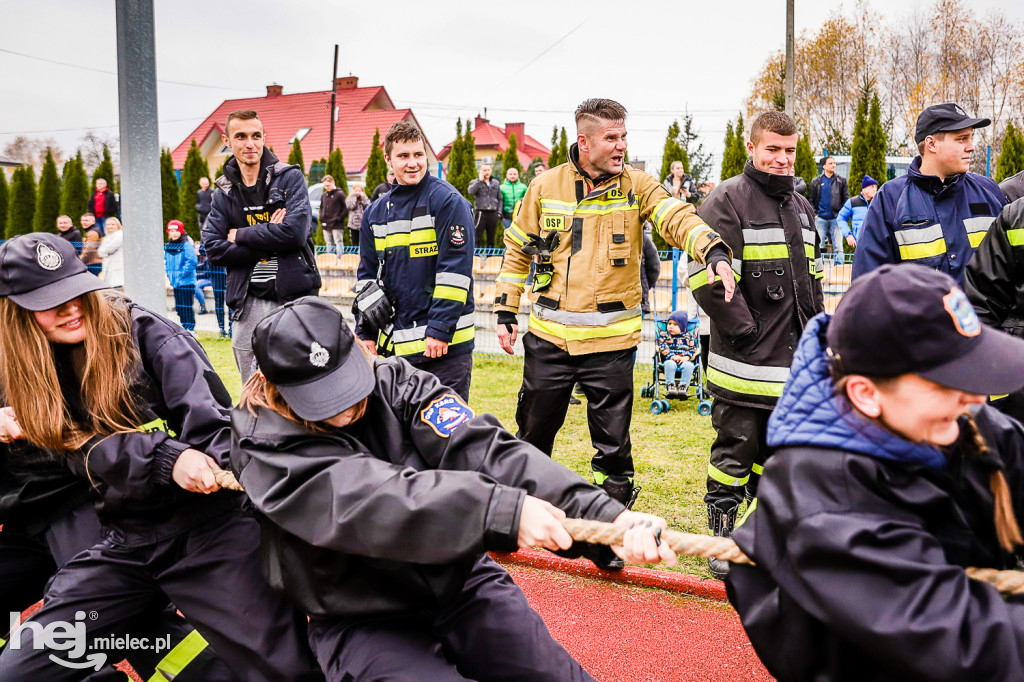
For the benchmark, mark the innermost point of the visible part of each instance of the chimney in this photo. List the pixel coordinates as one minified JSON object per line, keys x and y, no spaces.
{"x":274,"y":90}
{"x":517,"y":129}
{"x":348,"y":82}
{"x":480,"y":120}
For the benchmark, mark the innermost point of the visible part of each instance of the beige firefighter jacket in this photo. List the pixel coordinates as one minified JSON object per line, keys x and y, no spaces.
{"x":593,"y":303}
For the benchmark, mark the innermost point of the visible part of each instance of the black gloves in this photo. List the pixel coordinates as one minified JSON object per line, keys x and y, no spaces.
{"x":373,"y":306}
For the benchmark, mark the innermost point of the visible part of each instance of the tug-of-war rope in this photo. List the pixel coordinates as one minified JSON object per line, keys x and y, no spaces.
{"x":705,"y":546}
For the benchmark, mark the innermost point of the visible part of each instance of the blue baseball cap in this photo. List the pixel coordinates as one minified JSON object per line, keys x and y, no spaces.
{"x":40,"y":271}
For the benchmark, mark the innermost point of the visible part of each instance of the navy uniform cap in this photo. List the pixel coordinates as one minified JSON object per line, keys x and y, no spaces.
{"x":944,"y":118}
{"x":909,"y":319}
{"x":40,"y":271}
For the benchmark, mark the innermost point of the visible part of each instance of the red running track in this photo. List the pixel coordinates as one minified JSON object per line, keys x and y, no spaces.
{"x":623,"y":633}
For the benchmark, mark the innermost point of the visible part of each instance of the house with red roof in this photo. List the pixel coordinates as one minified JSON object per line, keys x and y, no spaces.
{"x":491,"y":141}
{"x":306,"y":116}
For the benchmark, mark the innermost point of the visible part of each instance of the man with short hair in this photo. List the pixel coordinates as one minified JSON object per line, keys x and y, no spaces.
{"x":829,"y":191}
{"x":203,"y":198}
{"x":512,"y":191}
{"x":777,"y":264}
{"x":103,"y":205}
{"x":418,"y":244}
{"x":384,"y":187}
{"x":938,"y":213}
{"x":851,"y":216}
{"x":66,"y":229}
{"x":487,"y":202}
{"x":333,"y":212}
{"x":581,"y":225}
{"x":90,"y":244}
{"x":259,"y":229}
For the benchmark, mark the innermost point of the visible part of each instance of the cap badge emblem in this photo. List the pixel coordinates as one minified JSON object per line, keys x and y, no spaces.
{"x":962,"y":312}
{"x":48,"y":258}
{"x":959,"y":110}
{"x":318,"y":355}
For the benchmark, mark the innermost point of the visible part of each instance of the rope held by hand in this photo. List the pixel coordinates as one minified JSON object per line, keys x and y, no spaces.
{"x":225,"y":479}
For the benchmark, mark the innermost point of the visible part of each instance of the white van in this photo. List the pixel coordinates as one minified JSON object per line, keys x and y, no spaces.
{"x":895,"y":166}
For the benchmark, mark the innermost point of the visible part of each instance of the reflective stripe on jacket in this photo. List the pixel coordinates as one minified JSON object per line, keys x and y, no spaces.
{"x":594,"y":301}
{"x":923,"y":219}
{"x":778,"y":272}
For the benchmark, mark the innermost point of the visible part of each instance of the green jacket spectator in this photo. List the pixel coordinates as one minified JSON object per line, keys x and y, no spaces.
{"x":512,"y":191}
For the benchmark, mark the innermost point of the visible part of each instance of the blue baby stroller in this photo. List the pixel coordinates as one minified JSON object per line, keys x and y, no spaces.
{"x":658,"y":384}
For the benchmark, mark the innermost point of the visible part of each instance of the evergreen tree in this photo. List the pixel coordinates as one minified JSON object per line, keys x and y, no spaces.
{"x":3,"y":204}
{"x":220,"y":170}
{"x":21,"y":205}
{"x":195,"y":168}
{"x":336,"y":169}
{"x":469,"y":170}
{"x":700,"y":161}
{"x":456,"y":158}
{"x":295,"y":156}
{"x":675,"y":150}
{"x":804,"y":165}
{"x":105,"y":171}
{"x":512,"y":154}
{"x":859,"y":148}
{"x":48,"y":197}
{"x":878,"y":143}
{"x":1011,"y":153}
{"x":727,"y":152}
{"x":75,"y":197}
{"x":376,"y":166}
{"x":169,"y":191}
{"x":559,"y":150}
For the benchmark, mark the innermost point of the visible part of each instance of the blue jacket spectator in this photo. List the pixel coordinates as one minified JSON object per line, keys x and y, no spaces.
{"x":855,"y":208}
{"x":180,"y":261}
{"x":922,"y":219}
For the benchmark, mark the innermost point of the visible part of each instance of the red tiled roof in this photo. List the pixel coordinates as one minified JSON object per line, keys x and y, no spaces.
{"x":489,"y":136}
{"x":285,"y":115}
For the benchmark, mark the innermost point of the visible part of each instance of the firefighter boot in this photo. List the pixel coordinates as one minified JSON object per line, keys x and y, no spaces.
{"x":721,"y":520}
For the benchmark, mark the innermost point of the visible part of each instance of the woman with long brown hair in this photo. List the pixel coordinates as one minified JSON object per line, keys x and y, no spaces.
{"x":127,"y":400}
{"x":891,"y":475}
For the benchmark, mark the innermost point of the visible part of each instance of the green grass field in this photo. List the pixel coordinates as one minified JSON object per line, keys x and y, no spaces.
{"x":670,"y":450}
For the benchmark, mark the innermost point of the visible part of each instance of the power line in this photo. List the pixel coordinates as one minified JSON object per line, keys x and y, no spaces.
{"x":71,"y":130}
{"x":114,"y":73}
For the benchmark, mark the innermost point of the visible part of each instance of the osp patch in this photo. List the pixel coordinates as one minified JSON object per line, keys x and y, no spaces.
{"x":457,"y":236}
{"x":445,"y":414}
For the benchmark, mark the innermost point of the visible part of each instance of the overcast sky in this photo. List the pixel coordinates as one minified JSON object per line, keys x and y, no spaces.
{"x":524,"y":60}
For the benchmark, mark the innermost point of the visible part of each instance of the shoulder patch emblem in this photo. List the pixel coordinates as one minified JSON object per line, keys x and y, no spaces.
{"x":457,"y":235}
{"x":48,"y":257}
{"x":445,"y":414}
{"x":962,"y":312}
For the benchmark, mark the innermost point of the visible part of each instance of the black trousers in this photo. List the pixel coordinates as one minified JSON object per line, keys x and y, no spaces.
{"x":27,"y":562}
{"x":454,"y":371}
{"x":486,"y":228}
{"x":738,"y":453}
{"x":211,"y":573}
{"x":549,"y":374}
{"x":487,"y":633}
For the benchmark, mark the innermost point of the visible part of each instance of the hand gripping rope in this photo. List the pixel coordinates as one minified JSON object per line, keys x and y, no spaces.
{"x":705,"y":546}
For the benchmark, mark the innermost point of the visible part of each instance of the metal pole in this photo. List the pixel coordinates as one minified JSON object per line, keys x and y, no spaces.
{"x":140,"y":155}
{"x":988,"y":161}
{"x":334,"y":95}
{"x":789,"y":57}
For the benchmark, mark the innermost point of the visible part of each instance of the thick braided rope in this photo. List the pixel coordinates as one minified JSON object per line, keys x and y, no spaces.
{"x":705,"y":546}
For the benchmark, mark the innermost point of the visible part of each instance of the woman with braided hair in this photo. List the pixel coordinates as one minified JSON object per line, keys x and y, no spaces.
{"x":380,"y":492}
{"x":890,"y":476}
{"x":115,"y":394}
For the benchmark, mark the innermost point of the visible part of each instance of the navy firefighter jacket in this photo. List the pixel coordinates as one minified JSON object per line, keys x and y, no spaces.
{"x":922,"y":219}
{"x":423,"y":236}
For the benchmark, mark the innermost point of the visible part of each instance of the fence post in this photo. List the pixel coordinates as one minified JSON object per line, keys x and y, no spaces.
{"x":988,"y":161}
{"x":675,"y":275}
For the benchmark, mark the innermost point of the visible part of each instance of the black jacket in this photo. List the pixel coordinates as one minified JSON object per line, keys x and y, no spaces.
{"x":110,"y":205}
{"x":777,"y":263}
{"x":204,"y":198}
{"x":860,"y":566}
{"x":650,"y":271}
{"x":994,"y":278}
{"x":290,"y":242}
{"x":388,"y":516}
{"x":131,"y":472}
{"x":74,"y":237}
{"x":333,"y":210}
{"x":840,"y":193}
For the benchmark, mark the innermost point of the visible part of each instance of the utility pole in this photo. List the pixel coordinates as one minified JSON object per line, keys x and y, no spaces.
{"x":140,"y":155}
{"x":789,"y":57}
{"x":334,"y":95}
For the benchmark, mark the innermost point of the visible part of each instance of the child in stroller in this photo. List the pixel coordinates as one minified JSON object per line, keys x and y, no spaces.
{"x":677,"y":357}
